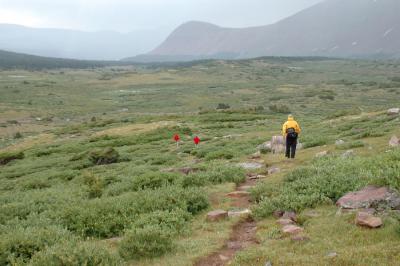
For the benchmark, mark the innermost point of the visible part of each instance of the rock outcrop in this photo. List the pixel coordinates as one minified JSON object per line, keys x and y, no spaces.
{"x":394,"y":142}
{"x":217,"y":215}
{"x":368,"y":220}
{"x":371,"y":197}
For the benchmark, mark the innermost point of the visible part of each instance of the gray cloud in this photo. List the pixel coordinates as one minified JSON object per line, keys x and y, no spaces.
{"x":125,"y":15}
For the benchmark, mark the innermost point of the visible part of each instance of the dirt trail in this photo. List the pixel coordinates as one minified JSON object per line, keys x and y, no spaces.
{"x":243,"y":233}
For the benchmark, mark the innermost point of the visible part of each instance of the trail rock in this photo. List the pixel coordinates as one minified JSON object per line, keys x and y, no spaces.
{"x":331,"y":254}
{"x":393,"y":111}
{"x":285,"y":221}
{"x":339,"y":142}
{"x":394,"y":142}
{"x":290,"y":215}
{"x":299,"y":238}
{"x":292,"y":229}
{"x":245,"y":188}
{"x":266,"y":146}
{"x":252,"y":177}
{"x":370,"y":197}
{"x":256,"y":155}
{"x":187,"y":170}
{"x":268,"y":263}
{"x":322,"y":154}
{"x":223,"y":258}
{"x":238,"y":194}
{"x":273,"y":170}
{"x":251,"y":166}
{"x":239,"y":213}
{"x":277,"y":144}
{"x":368,"y":220}
{"x":348,"y":154}
{"x":299,"y":146}
{"x":217,"y":215}
{"x":311,"y":214}
{"x":278,"y":214}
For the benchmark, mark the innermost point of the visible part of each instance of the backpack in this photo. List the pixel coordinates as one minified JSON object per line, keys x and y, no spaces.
{"x":291,"y":133}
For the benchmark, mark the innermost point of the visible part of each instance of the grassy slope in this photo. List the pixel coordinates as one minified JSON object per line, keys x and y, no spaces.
{"x":152,"y":96}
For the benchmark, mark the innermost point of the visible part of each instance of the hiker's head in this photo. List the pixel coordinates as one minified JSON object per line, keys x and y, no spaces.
{"x":290,"y":117}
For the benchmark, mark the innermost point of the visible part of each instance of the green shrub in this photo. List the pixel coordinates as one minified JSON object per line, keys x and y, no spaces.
{"x":108,"y":217}
{"x":172,"y":222}
{"x":95,"y":184}
{"x":222,"y":154}
{"x":314,"y":142}
{"x":150,"y":241}
{"x":279,"y":108}
{"x":20,"y":244}
{"x":6,"y":157}
{"x":223,"y":106}
{"x":350,"y":145}
{"x":327,"y":180}
{"x":154,"y":180}
{"x":104,"y":156}
{"x":75,"y":253}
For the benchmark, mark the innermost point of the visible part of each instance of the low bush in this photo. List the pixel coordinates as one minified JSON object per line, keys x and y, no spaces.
{"x":173,"y":222}
{"x":6,"y":157}
{"x":154,"y":180}
{"x":149,"y":241}
{"x":95,"y":184}
{"x":109,"y":217}
{"x":327,"y":180}
{"x":76,"y":253}
{"x":19,"y":245}
{"x":223,"y":106}
{"x":104,"y":156}
{"x":314,"y":142}
{"x":279,"y":108}
{"x":350,"y":145}
{"x":223,"y":154}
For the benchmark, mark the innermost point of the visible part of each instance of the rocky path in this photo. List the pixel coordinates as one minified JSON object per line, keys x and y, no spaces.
{"x":243,"y":233}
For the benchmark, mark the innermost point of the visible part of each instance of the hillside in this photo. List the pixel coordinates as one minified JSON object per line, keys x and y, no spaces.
{"x":90,"y":173}
{"x":363,"y":29}
{"x":11,"y":60}
{"x":61,"y":43}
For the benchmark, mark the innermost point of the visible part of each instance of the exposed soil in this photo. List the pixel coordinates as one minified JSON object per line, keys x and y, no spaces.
{"x":243,"y":234}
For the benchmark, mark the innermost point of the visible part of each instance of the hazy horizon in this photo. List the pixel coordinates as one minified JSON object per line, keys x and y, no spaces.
{"x":145,"y":15}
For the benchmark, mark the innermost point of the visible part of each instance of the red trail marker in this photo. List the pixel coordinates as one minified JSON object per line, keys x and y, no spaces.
{"x":177,"y":138}
{"x":196,"y":140}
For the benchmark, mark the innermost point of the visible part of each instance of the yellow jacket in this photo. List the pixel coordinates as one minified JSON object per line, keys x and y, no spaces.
{"x":291,"y":123}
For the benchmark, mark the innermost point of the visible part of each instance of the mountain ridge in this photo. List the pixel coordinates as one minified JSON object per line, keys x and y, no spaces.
{"x":335,"y":28}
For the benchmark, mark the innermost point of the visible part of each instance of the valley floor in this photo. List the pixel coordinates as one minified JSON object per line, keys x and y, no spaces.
{"x":90,"y":174}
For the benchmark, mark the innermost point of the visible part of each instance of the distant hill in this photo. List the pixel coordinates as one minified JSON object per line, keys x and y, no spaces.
{"x":60,"y":43}
{"x":9,"y":60}
{"x":334,"y":28}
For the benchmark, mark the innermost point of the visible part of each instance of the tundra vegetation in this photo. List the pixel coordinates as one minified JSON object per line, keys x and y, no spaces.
{"x":90,"y":174}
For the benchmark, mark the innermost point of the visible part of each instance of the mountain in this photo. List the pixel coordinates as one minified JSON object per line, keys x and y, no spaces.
{"x":103,"y":45}
{"x":334,"y":28}
{"x":9,"y":60}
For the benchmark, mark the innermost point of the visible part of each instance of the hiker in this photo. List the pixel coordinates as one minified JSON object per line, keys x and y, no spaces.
{"x":291,"y":131}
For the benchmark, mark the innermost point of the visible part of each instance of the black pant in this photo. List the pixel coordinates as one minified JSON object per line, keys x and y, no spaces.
{"x":291,"y":145}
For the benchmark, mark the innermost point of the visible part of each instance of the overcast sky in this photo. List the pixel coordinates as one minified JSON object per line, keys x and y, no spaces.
{"x":130,"y":15}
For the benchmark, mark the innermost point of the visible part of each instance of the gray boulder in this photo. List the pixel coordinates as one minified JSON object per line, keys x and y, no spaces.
{"x":371,"y":197}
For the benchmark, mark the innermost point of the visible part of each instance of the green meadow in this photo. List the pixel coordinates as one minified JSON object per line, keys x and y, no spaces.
{"x":90,"y":174}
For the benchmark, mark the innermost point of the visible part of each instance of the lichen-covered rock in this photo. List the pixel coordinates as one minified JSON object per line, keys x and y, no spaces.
{"x":393,"y":111}
{"x":368,"y":220}
{"x":371,"y":197}
{"x":292,"y":229}
{"x":394,"y":142}
{"x":217,"y":215}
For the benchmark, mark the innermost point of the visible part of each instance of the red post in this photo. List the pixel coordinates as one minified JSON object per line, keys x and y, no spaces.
{"x":177,"y":138}
{"x":196,"y":140}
